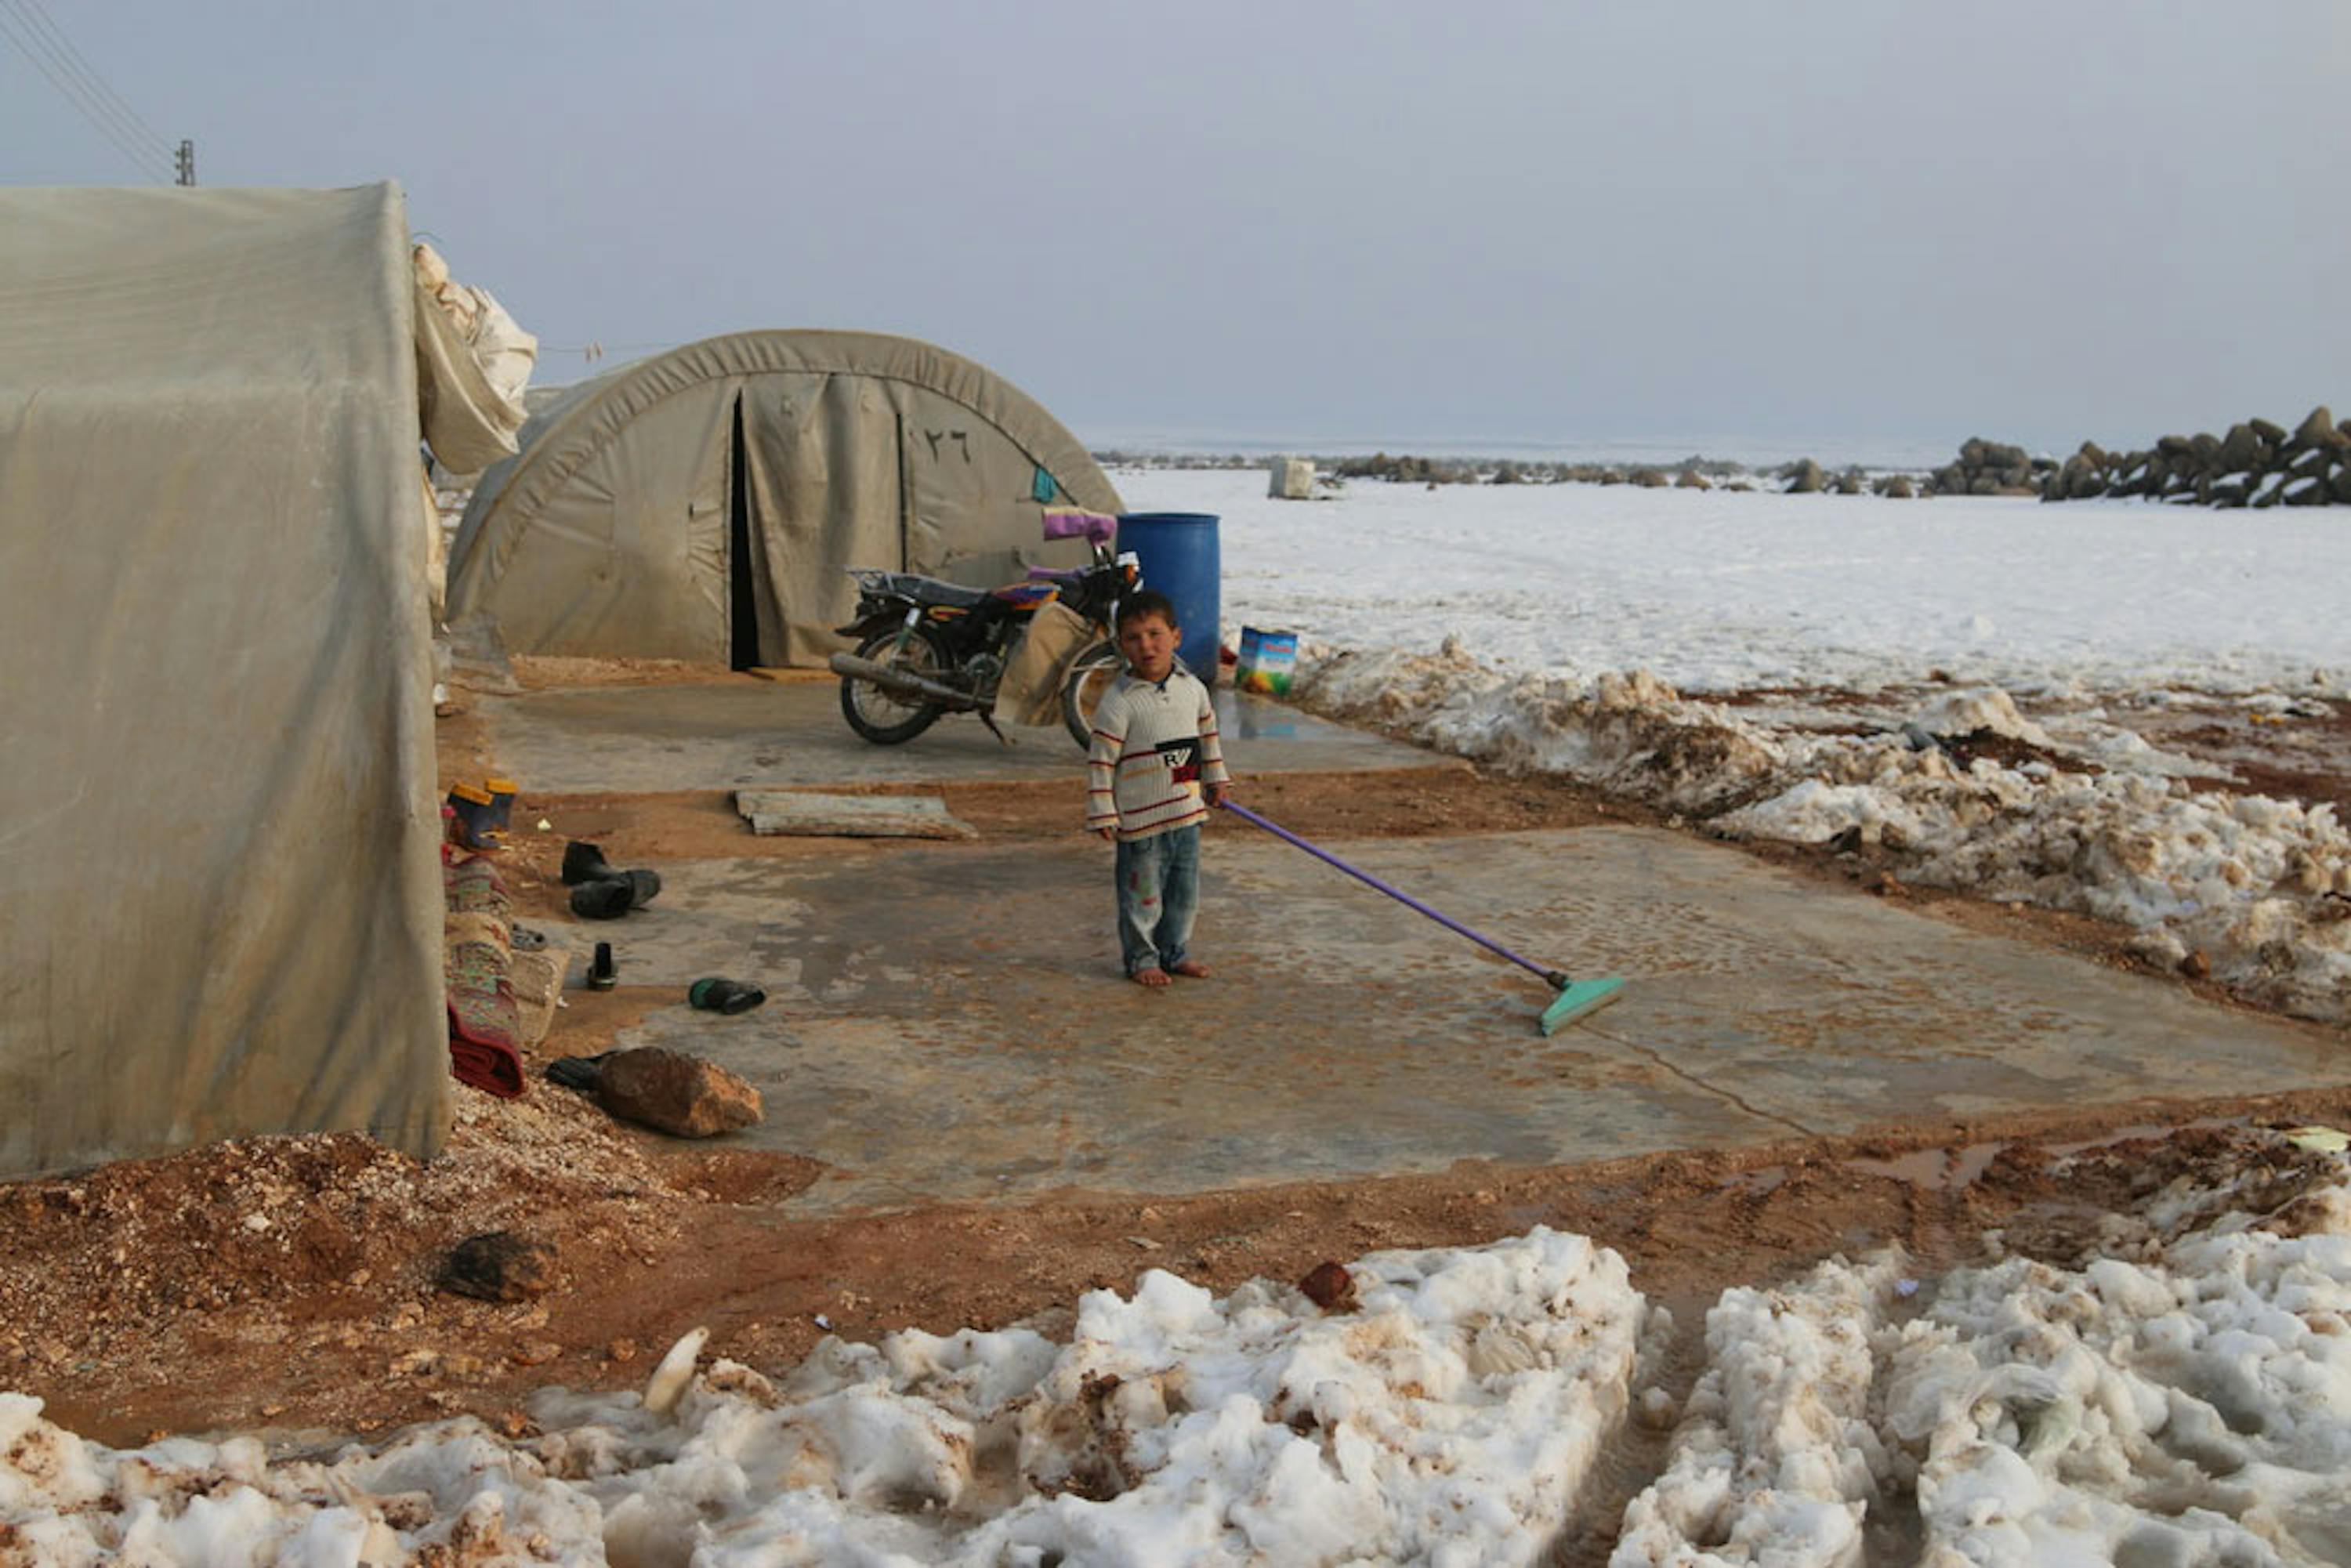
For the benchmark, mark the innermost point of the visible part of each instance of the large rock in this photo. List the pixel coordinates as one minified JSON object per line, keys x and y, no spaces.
{"x":499,"y":1266}
{"x":1805,"y":478}
{"x":2317,"y":429}
{"x":677,"y":1093}
{"x":1897,"y":488}
{"x":2340,"y":483}
{"x":1650,"y":479}
{"x":2268,"y":431}
{"x":1692,"y":479}
{"x":2081,"y":478}
{"x":2241,"y":449}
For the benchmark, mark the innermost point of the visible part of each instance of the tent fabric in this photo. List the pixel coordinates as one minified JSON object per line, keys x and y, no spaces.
{"x":220,"y":899}
{"x":611,"y":534}
{"x":473,"y":364}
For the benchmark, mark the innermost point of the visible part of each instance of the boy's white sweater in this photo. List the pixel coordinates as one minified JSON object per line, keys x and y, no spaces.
{"x":1155,"y":746}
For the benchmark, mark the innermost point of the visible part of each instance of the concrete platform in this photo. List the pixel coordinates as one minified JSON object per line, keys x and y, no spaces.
{"x":946,"y":1021}
{"x":741,"y":730}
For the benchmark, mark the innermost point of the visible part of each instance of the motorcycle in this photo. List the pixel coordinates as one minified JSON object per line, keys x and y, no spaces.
{"x":926,"y":649}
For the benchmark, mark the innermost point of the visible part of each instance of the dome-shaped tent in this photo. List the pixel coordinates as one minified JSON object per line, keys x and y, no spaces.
{"x":701,"y":504}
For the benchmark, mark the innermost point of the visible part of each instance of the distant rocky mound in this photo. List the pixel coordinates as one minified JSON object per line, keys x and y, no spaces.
{"x":2256,"y":464}
{"x":1991,"y":468}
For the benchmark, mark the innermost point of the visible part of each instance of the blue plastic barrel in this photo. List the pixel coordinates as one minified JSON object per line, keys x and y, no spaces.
{"x":1178,"y":554}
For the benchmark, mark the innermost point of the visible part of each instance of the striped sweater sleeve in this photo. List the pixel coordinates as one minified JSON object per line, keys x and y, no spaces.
{"x":1212,"y":750}
{"x":1102,"y":760}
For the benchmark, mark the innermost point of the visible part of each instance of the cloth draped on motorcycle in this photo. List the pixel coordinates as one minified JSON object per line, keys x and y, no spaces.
{"x":1029,"y":691}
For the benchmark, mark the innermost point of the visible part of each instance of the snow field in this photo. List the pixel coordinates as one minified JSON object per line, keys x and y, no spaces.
{"x":1721,"y":591}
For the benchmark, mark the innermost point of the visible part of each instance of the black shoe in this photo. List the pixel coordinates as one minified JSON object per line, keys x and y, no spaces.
{"x":584,"y":862}
{"x":601,"y":974}
{"x":608,"y":899}
{"x":615,"y":893}
{"x":583,"y":1072}
{"x":730,"y":997}
{"x":644,"y":887}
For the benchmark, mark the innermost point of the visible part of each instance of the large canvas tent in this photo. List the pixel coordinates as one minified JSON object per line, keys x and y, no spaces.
{"x":701,"y":505}
{"x":220,"y":903}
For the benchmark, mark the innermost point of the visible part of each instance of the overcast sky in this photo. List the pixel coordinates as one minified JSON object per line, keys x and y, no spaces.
{"x":1550,"y":223}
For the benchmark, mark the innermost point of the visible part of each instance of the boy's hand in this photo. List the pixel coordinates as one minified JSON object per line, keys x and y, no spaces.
{"x":1110,"y":835}
{"x":1216,"y":793}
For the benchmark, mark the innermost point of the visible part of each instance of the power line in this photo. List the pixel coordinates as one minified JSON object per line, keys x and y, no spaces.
{"x":37,"y":15}
{"x":92,"y":109}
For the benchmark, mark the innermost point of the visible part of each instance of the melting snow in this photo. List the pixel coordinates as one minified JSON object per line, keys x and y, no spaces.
{"x":2184,"y":1399}
{"x":1450,"y":1417}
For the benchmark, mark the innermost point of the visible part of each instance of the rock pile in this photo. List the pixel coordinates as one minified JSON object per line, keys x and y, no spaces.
{"x":2256,"y":464}
{"x":1989,"y":468}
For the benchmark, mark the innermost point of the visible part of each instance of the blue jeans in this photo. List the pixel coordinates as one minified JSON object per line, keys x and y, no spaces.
{"x":1158,"y":892}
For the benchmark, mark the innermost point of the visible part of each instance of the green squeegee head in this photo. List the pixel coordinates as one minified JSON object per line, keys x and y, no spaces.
{"x":1578,"y":999}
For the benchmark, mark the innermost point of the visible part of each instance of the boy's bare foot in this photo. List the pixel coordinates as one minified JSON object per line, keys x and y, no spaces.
{"x":1190,"y":969}
{"x":1152,"y":977}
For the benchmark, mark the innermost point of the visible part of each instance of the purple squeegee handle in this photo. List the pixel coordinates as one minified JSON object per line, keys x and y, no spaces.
{"x":1279,"y":831}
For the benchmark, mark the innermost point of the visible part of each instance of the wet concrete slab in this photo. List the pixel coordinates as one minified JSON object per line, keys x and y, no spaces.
{"x":947,"y":1022}
{"x":743,"y":731}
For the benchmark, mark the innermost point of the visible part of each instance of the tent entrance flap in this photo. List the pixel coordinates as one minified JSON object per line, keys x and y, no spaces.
{"x":820,"y":469}
{"x":744,"y":558}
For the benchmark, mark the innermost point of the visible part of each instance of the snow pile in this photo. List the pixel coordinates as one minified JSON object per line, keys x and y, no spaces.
{"x":1449,"y":1414}
{"x":2262,"y":887}
{"x":1988,"y":711}
{"x":455,"y":1492}
{"x":2192,"y":1407}
{"x":1631,"y":732}
{"x":1775,"y":1459}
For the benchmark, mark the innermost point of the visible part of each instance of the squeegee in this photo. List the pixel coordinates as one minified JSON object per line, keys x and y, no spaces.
{"x":1576,"y":998}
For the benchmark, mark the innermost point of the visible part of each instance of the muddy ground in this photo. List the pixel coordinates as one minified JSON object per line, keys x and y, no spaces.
{"x":291,"y":1283}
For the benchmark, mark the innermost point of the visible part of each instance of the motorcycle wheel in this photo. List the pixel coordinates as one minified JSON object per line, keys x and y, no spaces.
{"x":884,"y":717}
{"x":1091,"y":675}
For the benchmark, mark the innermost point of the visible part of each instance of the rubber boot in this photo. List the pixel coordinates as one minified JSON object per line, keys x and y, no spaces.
{"x":501,"y":793}
{"x":476,"y":817}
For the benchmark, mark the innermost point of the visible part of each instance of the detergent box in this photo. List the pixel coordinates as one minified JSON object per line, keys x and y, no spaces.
{"x":1266,"y":662}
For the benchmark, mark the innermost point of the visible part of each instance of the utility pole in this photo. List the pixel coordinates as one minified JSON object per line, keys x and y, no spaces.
{"x":187,"y":161}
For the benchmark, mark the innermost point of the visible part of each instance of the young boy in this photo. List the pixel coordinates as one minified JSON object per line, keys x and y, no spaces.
{"x":1155,"y":770}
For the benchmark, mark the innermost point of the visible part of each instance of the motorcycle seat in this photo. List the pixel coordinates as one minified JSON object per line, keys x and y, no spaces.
{"x":931,"y":590}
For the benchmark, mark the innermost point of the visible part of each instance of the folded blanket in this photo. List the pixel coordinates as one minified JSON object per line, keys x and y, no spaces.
{"x":484,"y":1021}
